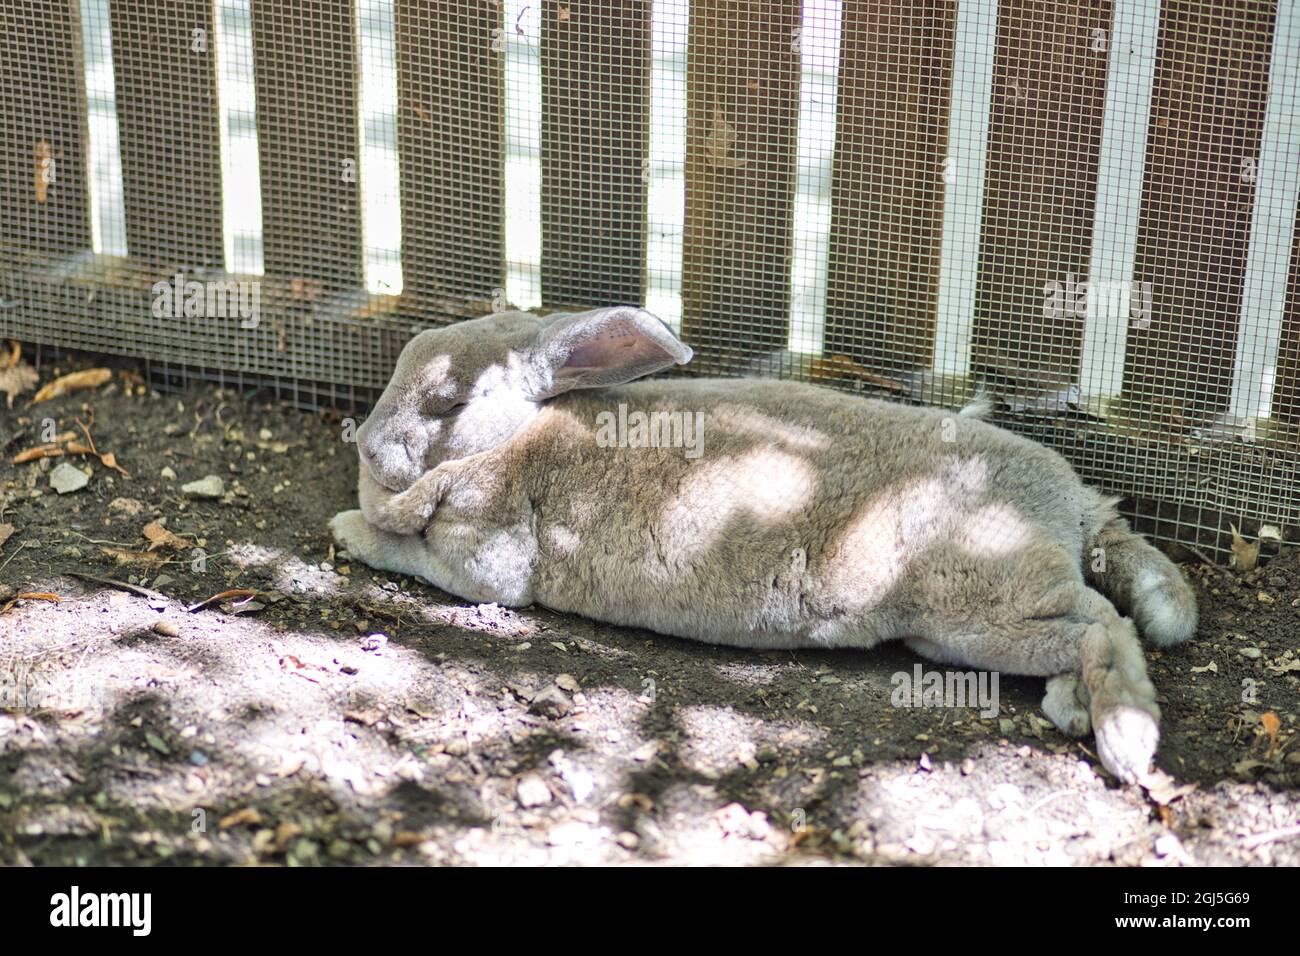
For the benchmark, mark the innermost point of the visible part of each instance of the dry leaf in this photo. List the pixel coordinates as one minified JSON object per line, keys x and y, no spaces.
{"x":107,"y":459}
{"x":248,"y":815}
{"x":74,"y":381}
{"x":841,"y":366}
{"x":6,"y":532}
{"x":160,"y":537}
{"x":285,"y":834}
{"x":31,"y":454}
{"x":31,"y":596}
{"x":1271,"y":725}
{"x":1244,"y":554}
{"x":123,"y":556}
{"x":44,"y":166}
{"x":1163,"y":789}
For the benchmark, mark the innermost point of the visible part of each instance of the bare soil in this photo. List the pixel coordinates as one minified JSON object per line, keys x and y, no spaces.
{"x":339,"y":715}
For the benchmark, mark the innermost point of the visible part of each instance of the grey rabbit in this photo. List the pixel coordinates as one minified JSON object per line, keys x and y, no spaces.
{"x":804,"y":518}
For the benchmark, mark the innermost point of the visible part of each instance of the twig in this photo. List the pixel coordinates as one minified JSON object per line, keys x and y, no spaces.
{"x":1270,"y":836}
{"x":1214,"y":566}
{"x":121,"y":585}
{"x":21,"y":545}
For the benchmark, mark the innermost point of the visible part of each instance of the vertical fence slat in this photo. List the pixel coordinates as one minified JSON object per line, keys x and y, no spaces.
{"x":595,"y":139}
{"x":43,"y":192}
{"x":305,"y":66}
{"x":1286,"y":385}
{"x":1207,"y":118}
{"x":164,"y":66}
{"x":887,"y":189}
{"x":742,"y":115}
{"x":449,"y":134}
{"x":1044,"y":145}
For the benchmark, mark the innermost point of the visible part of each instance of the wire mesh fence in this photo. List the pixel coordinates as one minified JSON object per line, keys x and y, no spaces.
{"x":1087,"y":208}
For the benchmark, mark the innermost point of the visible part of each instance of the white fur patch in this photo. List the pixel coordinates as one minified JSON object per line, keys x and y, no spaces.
{"x":1165,"y":612}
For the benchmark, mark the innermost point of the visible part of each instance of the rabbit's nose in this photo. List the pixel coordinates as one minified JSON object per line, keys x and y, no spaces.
{"x":369,"y":443}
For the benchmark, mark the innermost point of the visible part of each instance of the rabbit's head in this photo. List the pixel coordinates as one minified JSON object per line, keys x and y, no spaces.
{"x":465,"y":388}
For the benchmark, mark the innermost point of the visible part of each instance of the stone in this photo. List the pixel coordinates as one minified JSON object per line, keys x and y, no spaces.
{"x":532,"y":791}
{"x":65,"y":478}
{"x":210,"y":486}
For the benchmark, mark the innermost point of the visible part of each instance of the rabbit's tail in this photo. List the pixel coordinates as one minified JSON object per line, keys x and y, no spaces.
{"x":1139,"y":580}
{"x":980,"y":405}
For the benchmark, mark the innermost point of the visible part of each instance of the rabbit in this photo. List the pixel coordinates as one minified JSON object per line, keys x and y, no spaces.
{"x":807,"y":518}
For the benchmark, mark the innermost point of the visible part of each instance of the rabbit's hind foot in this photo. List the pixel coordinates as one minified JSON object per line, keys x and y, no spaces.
{"x":1066,"y":705}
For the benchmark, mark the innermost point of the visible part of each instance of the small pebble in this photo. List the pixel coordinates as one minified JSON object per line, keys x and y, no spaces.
{"x":209,"y":486}
{"x":532,"y":791}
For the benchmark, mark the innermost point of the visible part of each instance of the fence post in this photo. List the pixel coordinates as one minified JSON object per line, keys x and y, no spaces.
{"x":1045,"y":123}
{"x":450,"y":57}
{"x":305,"y":65}
{"x":742,"y":113}
{"x":165,"y":67}
{"x":887,"y":189}
{"x":595,"y":141}
{"x":1207,"y":118}
{"x":43,"y":191}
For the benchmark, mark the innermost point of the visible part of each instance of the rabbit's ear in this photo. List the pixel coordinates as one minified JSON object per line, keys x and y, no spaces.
{"x":604,"y":347}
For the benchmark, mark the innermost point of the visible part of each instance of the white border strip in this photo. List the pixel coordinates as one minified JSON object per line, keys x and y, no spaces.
{"x":104,"y":160}
{"x":665,"y":167}
{"x":241,"y":171}
{"x":379,"y":169}
{"x":963,"y":173}
{"x":523,"y":135}
{"x":1272,"y":227}
{"x":818,"y":45}
{"x":1135,"y":30}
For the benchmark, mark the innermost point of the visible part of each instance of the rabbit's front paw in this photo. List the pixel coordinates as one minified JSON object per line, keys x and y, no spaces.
{"x":355,"y":535}
{"x":410,"y":511}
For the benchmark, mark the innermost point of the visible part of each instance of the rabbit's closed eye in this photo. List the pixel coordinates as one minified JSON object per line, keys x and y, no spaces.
{"x":437,"y":406}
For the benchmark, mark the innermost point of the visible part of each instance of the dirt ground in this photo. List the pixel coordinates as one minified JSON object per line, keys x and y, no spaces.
{"x":338,"y":715}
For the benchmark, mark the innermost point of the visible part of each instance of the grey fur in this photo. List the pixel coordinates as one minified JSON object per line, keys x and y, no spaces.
{"x":813,"y":518}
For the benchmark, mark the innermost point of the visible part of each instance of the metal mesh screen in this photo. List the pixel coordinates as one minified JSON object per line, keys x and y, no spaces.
{"x":1087,"y":208}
